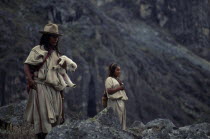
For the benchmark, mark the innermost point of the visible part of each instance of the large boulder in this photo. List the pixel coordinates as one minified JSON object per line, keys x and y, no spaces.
{"x":107,"y":117}
{"x":158,"y":128}
{"x":137,"y":128}
{"x":103,"y":126}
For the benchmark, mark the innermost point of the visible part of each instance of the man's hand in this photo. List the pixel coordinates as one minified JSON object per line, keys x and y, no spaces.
{"x":32,"y":84}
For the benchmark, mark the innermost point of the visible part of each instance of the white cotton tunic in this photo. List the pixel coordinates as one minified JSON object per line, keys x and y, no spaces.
{"x":116,"y":100}
{"x":44,"y":107}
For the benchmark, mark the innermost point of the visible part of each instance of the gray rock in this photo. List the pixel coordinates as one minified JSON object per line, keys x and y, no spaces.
{"x":136,"y":128}
{"x":137,"y":124}
{"x":158,"y":128}
{"x":12,"y":123}
{"x":160,"y":124}
{"x":187,"y":21}
{"x":107,"y":117}
{"x":103,"y":126}
{"x":201,"y":131}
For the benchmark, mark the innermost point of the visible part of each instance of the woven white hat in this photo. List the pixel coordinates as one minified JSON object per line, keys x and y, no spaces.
{"x":51,"y":29}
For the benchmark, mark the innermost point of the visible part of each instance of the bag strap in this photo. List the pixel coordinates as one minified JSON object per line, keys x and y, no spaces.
{"x":105,"y":93}
{"x":45,"y":59}
{"x":119,"y":81}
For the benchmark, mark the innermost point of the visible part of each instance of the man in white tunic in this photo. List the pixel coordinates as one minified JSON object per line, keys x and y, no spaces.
{"x":44,"y":108}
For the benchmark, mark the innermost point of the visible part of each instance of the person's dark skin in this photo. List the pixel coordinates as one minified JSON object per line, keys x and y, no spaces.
{"x":30,"y":81}
{"x":53,"y":40}
{"x":121,"y":87}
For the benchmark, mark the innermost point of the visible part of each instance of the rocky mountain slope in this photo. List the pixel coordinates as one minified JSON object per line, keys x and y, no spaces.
{"x":163,"y":77}
{"x":188,"y":21}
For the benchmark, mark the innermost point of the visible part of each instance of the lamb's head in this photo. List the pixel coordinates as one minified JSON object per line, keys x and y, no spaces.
{"x":70,"y":65}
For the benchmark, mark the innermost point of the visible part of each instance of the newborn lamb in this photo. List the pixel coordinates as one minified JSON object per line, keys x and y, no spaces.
{"x":65,"y":62}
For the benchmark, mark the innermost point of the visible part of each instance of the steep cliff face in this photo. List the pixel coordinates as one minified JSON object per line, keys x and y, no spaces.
{"x":188,"y":21}
{"x":162,"y":77}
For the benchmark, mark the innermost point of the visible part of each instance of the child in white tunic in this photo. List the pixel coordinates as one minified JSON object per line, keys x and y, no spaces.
{"x":116,"y":94}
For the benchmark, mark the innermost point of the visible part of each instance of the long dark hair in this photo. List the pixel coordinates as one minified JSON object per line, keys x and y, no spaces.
{"x":45,"y":41}
{"x":112,"y":69}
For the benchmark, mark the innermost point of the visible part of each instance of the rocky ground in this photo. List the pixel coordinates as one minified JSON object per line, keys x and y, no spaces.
{"x":12,"y":124}
{"x":105,"y":125}
{"x":164,"y":73}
